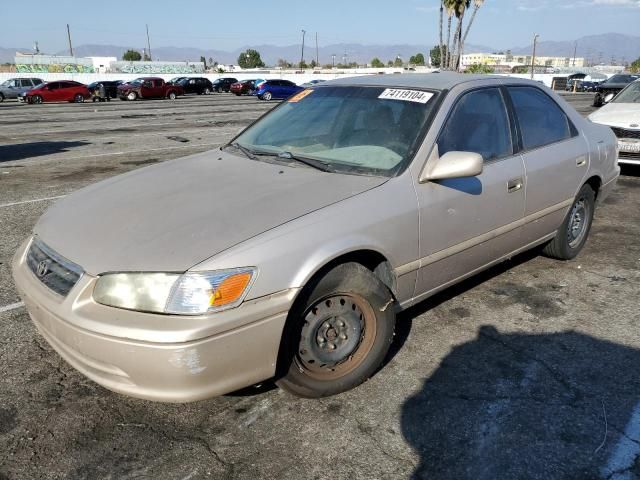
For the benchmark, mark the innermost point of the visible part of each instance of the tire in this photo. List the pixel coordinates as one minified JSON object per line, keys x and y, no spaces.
{"x":79,"y":98}
{"x":172,"y":95}
{"x":337,"y":333}
{"x":207,"y":91}
{"x":132,"y":96}
{"x":218,"y":90}
{"x":597,"y":100}
{"x":574,"y":231}
{"x":124,"y":99}
{"x":267,"y":96}
{"x":36,"y":99}
{"x":1,"y":98}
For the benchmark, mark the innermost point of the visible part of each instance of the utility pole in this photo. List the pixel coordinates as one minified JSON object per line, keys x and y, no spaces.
{"x":317,"y":61}
{"x":575,"y":51}
{"x":302,"y":55}
{"x":533,"y":56}
{"x":69,"y":37}
{"x":148,"y":42}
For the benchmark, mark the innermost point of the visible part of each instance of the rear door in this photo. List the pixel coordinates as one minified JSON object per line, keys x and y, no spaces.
{"x":466,"y":223}
{"x":53,"y":92}
{"x":555,"y":159}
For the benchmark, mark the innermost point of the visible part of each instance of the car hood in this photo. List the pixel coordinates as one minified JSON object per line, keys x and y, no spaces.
{"x":621,"y":115}
{"x":172,"y":216}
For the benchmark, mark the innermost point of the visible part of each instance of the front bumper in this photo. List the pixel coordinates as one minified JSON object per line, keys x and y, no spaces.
{"x":157,"y":357}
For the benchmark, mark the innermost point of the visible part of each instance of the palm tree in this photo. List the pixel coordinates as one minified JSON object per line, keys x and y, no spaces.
{"x":450,"y":6}
{"x":460,"y":7}
{"x":476,"y":6}
{"x":441,"y":18}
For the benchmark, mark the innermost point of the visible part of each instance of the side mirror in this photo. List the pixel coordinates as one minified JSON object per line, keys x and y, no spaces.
{"x":451,"y":165}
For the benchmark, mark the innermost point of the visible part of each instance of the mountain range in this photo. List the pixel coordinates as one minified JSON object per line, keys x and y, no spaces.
{"x":597,"y":48}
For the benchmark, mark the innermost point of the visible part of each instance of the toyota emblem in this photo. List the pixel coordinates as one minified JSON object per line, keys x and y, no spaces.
{"x":42,"y":269}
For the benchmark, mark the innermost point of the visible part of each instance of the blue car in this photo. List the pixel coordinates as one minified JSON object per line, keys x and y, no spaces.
{"x":277,"y":89}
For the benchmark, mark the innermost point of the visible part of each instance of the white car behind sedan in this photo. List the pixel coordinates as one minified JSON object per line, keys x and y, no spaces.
{"x":622,"y":114}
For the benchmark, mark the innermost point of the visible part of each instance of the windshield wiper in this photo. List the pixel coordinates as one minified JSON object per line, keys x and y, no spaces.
{"x":311,"y":162}
{"x":249,"y":153}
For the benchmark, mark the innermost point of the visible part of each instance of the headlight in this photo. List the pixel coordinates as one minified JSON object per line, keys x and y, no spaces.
{"x":191,"y":293}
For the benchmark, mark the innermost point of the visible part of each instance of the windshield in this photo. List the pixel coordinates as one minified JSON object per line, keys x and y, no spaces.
{"x":631,"y":94}
{"x":137,"y":81}
{"x":368,"y":130}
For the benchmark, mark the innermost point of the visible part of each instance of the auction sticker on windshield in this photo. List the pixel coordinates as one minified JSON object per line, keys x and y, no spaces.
{"x":299,"y":96}
{"x":406,"y":95}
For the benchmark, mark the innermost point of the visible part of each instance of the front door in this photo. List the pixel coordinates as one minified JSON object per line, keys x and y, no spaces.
{"x":466,"y":223}
{"x":555,"y":160}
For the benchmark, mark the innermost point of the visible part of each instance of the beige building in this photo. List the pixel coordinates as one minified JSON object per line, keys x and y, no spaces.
{"x":515,"y":60}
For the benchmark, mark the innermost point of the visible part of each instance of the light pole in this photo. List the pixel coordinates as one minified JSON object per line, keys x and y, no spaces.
{"x":302,"y":55}
{"x":533,"y":56}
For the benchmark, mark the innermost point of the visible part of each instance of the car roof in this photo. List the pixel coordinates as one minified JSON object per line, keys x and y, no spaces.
{"x":435,"y":81}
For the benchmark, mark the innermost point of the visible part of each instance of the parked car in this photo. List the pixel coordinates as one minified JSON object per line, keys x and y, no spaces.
{"x":277,"y":89}
{"x":244,"y":87}
{"x":608,"y":89}
{"x":287,"y":253}
{"x":63,"y":91}
{"x":312,"y":83}
{"x":622,"y":114}
{"x":198,"y":85}
{"x":149,"y":87}
{"x":223,"y":84}
{"x":15,"y":87}
{"x":175,"y":80}
{"x":110,"y":86}
{"x":581,"y":85}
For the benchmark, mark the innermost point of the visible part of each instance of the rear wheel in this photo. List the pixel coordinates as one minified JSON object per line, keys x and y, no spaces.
{"x":79,"y":98}
{"x":267,"y":96}
{"x":572,"y":234}
{"x":337,"y":334}
{"x":132,"y":96}
{"x":172,"y":96}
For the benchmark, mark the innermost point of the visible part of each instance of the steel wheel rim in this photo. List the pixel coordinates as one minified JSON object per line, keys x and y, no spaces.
{"x":132,"y":96}
{"x":337,"y":335}
{"x":578,"y":222}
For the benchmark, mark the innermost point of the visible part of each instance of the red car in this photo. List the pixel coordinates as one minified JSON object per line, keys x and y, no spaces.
{"x":63,"y":91}
{"x":149,"y":87}
{"x":244,"y":87}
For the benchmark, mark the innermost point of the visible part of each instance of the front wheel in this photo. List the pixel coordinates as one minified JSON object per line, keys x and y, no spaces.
{"x":338,"y":333}
{"x":572,"y":234}
{"x":207,"y":91}
{"x":36,"y":99}
{"x":132,"y":96}
{"x":267,"y":96}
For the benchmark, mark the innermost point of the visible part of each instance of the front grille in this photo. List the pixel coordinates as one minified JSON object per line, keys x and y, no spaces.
{"x":629,"y":156}
{"x":54,"y":271}
{"x":625,"y":133}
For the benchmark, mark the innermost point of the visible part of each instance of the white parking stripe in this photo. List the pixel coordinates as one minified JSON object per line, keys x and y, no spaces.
{"x":30,"y":201}
{"x":12,"y":306}
{"x":626,"y":450}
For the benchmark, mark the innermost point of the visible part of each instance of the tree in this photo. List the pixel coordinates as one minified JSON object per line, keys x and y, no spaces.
{"x":436,"y":58}
{"x":313,"y":64}
{"x":635,"y":66}
{"x":390,"y":63}
{"x":282,"y":63}
{"x":250,"y":59}
{"x":476,"y":6}
{"x":479,"y":68}
{"x":397,"y":62}
{"x":204,"y":60}
{"x":131,"y":56}
{"x":460,"y":8}
{"x":146,"y":58}
{"x":210,"y":61}
{"x":377,"y":63}
{"x":417,"y":59}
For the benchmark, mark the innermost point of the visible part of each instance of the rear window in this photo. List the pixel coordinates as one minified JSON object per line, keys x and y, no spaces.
{"x":542,"y":121}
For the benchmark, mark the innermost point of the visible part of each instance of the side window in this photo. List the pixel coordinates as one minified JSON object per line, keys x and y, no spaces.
{"x":54,"y":86}
{"x":478,"y":123}
{"x":157,"y":83}
{"x":541,"y":120}
{"x":25,"y":82}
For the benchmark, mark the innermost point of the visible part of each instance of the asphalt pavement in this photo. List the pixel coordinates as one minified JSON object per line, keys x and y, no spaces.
{"x":527,"y":371}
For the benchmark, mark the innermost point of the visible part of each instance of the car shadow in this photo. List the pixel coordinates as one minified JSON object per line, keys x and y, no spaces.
{"x":525,"y":406}
{"x":21,"y":151}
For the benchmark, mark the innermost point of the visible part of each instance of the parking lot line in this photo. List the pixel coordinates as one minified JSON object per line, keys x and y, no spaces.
{"x":11,"y":306}
{"x":30,"y":201}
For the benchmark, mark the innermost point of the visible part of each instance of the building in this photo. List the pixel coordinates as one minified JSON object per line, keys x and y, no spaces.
{"x":511,"y":60}
{"x":102,"y":64}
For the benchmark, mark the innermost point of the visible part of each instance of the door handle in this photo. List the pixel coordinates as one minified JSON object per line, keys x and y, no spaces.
{"x":514,"y":184}
{"x":580,"y":161}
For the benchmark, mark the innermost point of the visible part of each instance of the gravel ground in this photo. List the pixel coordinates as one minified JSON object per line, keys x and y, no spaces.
{"x":529,"y":370}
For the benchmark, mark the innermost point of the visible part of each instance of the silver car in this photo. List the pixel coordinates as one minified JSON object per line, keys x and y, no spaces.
{"x":15,"y":87}
{"x":287,"y":253}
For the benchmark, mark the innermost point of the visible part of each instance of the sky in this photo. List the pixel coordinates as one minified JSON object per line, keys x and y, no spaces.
{"x":227,"y":25}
